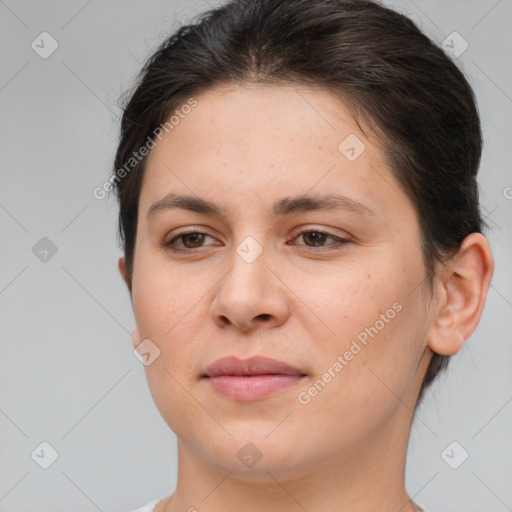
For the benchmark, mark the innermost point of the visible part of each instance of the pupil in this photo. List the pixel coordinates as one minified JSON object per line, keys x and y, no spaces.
{"x":317,"y":240}
{"x":193,"y":235}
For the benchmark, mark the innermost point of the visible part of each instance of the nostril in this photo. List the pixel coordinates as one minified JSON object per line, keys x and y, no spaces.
{"x":264,"y":316}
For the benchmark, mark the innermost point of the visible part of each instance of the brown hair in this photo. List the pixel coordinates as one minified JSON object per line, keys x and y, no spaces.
{"x":377,"y":60}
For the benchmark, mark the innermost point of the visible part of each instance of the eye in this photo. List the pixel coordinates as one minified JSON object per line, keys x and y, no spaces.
{"x":189,"y":241}
{"x":317,"y":238}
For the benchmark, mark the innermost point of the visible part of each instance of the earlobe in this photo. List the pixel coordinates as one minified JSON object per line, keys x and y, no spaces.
{"x":466,"y":280}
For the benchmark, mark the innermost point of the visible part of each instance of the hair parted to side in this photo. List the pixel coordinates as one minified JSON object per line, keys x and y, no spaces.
{"x":391,"y":75}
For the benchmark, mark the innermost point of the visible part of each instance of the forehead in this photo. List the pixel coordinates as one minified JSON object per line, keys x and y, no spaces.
{"x":256,"y":142}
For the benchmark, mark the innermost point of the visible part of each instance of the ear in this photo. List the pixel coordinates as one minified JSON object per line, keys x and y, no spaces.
{"x":136,"y":337}
{"x":465,"y":280}
{"x":122,"y":268}
{"x":121,"y":264}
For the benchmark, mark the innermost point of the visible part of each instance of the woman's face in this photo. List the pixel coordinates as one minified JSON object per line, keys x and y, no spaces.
{"x":336,"y":292}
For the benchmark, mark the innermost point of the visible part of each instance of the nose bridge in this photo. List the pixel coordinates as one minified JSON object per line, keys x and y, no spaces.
{"x":248,"y":276}
{"x":249,"y":292}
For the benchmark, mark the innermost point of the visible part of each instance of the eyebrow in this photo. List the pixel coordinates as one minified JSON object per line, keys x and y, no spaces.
{"x":282,"y":207}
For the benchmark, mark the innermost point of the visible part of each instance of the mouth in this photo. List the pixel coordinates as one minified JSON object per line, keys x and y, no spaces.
{"x":251,"y":379}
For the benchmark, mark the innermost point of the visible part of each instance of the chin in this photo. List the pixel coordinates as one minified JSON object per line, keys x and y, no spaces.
{"x":253,"y":455}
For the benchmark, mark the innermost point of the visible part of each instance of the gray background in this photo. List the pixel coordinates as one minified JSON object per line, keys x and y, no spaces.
{"x":68,"y":373}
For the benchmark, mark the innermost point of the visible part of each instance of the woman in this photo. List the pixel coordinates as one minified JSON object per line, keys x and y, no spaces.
{"x":302,"y":245}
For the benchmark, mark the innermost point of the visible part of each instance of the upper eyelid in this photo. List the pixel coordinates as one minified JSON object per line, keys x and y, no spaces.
{"x":296,"y":233}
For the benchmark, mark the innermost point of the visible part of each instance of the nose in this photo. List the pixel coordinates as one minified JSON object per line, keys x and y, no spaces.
{"x":250,"y":295}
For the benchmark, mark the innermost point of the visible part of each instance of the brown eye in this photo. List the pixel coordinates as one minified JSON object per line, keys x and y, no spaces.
{"x":317,"y":239}
{"x":195,"y":240}
{"x":314,"y":239}
{"x":189,"y":241}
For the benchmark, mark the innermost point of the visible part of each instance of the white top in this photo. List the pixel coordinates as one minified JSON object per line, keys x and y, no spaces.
{"x":150,"y":507}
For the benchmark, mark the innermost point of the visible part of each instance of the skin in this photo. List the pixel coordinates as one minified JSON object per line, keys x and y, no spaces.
{"x":346,"y":448}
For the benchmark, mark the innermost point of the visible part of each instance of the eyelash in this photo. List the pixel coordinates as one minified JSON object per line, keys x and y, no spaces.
{"x":339,"y":241}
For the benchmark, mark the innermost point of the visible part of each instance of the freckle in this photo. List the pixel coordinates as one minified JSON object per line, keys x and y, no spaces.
{"x":369,"y":276}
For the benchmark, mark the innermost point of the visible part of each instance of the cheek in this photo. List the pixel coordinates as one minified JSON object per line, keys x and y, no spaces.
{"x":165,"y":314}
{"x":164,"y":297}
{"x":376,"y":342}
{"x":170,"y":311}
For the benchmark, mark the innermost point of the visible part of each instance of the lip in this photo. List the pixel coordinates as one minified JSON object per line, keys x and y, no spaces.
{"x":251,"y":379}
